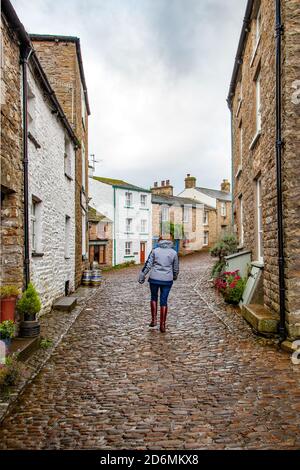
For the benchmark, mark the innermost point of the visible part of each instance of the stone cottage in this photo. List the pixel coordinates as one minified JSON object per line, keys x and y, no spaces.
{"x":264,"y":100}
{"x":129,"y":208}
{"x":186,"y":214}
{"x":100,"y":238}
{"x":61,"y":59}
{"x":217,"y":214}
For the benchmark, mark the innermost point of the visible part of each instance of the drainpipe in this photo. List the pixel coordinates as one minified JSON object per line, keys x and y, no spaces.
{"x":279,"y":145}
{"x":232,"y":171}
{"x":25,"y":55}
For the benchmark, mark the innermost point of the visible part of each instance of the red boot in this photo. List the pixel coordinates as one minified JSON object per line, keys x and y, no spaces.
{"x":153,"y":313}
{"x":163,"y":317}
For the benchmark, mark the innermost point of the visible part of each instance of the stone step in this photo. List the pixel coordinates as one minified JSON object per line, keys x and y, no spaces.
{"x":260,"y":318}
{"x":65,"y":303}
{"x":24,"y":347}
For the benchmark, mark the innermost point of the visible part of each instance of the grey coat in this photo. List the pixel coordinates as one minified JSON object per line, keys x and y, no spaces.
{"x":162,"y":263}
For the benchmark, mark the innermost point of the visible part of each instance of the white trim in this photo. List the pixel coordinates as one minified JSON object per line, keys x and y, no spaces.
{"x":255,"y":139}
{"x":259,"y":234}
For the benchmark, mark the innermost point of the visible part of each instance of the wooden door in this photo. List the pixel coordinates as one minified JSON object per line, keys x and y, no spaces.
{"x":102,"y":254}
{"x":143,"y":252}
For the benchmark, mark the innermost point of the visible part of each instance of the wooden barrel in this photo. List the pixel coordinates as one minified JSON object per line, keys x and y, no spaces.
{"x":86,"y":277}
{"x":96,"y":277}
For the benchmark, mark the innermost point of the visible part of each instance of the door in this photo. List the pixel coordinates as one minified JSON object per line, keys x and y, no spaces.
{"x":143,"y":252}
{"x":102,"y":254}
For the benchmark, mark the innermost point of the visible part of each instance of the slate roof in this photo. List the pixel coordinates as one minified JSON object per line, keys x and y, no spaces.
{"x":120,"y":184}
{"x":171,"y":200}
{"x":95,"y":216}
{"x":216,"y":194}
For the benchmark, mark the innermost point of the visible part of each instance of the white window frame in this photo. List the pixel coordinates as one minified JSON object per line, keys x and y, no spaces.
{"x":241,"y":144}
{"x":223,"y":209}
{"x":143,"y":200}
{"x":186,"y":214}
{"x":35,"y":218}
{"x":144,"y":225}
{"x":128,"y":248}
{"x":67,"y":157}
{"x":83,"y":165}
{"x":260,"y":232}
{"x":205,"y":218}
{"x":241,"y":232}
{"x":258,"y":107}
{"x":206,"y":238}
{"x":67,"y":236}
{"x":84,"y":234}
{"x":30,"y":109}
{"x":128,"y":199}
{"x":165,"y":214}
{"x":257,"y":29}
{"x":128,"y":225}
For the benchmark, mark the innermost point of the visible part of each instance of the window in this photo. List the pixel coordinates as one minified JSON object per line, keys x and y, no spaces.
{"x":223,"y":209}
{"x":83,"y":164}
{"x":165,"y":214}
{"x":143,"y":226}
{"x":128,"y":248}
{"x":206,"y":238}
{"x":260,"y":246}
{"x":83,"y":108}
{"x":35,"y":224}
{"x":258,"y":103}
{"x":30,"y":109}
{"x":241,"y":227}
{"x":186,"y":214}
{"x":241,"y":144}
{"x":128,"y":225}
{"x":143,"y":200}
{"x":128,"y":199}
{"x":257,"y":29}
{"x":205,"y":218}
{"x":67,"y":157}
{"x":67,"y":236}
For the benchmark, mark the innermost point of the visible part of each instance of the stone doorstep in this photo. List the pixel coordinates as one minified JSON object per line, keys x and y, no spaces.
{"x":24,"y":347}
{"x":260,"y":318}
{"x":65,"y":303}
{"x":289,"y":346}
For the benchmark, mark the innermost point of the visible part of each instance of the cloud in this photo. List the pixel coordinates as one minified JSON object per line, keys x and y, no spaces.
{"x":158,"y":73}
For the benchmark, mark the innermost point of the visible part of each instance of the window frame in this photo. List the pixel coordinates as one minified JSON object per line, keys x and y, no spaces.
{"x":128,"y":197}
{"x":206,"y":238}
{"x":259,"y":221}
{"x":143,"y":200}
{"x":258,"y":102}
{"x":128,"y":226}
{"x":145,"y":222}
{"x":223,"y":209}
{"x":128,"y":248}
{"x":165,"y":210}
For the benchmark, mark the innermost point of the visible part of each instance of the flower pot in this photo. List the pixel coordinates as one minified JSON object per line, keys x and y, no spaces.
{"x":8,"y":308}
{"x":29,"y":329}
{"x":29,"y":316}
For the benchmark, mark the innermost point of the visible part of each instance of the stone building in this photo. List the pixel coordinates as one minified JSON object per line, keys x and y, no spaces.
{"x":100,"y":238}
{"x":11,"y":170}
{"x":129,"y":208}
{"x":264,"y":100}
{"x":186,"y":215}
{"x":218,"y":214}
{"x":61,"y":59}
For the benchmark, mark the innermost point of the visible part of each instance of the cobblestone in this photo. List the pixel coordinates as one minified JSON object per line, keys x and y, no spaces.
{"x":113,"y":383}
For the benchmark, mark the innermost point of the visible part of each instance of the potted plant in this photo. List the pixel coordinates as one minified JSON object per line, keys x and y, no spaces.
{"x":7,"y":331}
{"x":8,"y":296}
{"x":29,"y":305}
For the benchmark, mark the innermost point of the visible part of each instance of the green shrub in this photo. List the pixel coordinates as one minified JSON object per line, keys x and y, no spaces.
{"x":7,"y":329}
{"x":46,"y":343}
{"x":226,"y":246}
{"x":9,"y":291}
{"x":231,"y":286}
{"x":30,"y":302}
{"x":9,"y":372}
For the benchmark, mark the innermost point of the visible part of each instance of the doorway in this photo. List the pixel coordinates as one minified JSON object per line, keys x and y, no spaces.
{"x":143,"y":252}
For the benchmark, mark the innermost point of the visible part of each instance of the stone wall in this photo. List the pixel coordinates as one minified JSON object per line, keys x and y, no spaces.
{"x":59,"y":59}
{"x":259,"y":156}
{"x":52,"y":263}
{"x":12,"y":211}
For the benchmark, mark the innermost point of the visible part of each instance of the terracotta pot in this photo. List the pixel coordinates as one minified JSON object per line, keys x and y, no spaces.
{"x":8,"y":308}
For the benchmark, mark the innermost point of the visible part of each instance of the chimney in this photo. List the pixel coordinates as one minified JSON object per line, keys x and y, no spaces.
{"x":225,"y":186}
{"x":190,"y":181}
{"x":166,"y":189}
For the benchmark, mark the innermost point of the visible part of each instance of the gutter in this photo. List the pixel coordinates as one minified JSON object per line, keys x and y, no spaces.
{"x":279,"y":145}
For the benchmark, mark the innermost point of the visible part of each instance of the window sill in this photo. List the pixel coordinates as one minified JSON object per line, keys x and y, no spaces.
{"x":35,"y":254}
{"x":239,"y":171}
{"x":239,"y":108}
{"x":68,"y":177}
{"x":255,"y":140}
{"x":129,"y":256}
{"x":255,"y":52}
{"x":67,"y":257}
{"x":144,"y":208}
{"x":128,"y":207}
{"x":144,"y":233}
{"x":34,"y":141}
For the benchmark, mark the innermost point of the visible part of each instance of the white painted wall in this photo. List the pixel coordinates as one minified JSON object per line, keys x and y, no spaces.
{"x":47,"y":181}
{"x":102,"y":199}
{"x":198,"y":196}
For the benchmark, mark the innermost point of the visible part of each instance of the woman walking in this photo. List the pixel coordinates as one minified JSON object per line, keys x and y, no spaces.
{"x":163,"y":265}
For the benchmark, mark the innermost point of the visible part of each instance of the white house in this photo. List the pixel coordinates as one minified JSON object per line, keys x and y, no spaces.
{"x":51,"y":166}
{"x":130,"y":209}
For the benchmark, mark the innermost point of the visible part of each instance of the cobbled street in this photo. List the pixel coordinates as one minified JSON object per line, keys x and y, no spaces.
{"x":114,"y":383}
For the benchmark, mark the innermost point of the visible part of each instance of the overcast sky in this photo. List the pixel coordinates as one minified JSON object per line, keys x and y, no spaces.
{"x":158,"y":73}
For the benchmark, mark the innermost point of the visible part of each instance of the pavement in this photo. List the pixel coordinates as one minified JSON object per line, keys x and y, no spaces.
{"x":114,"y":383}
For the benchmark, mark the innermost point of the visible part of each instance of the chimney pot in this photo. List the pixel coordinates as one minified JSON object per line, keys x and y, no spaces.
{"x":190,"y":181}
{"x":167,"y":182}
{"x":155,"y":184}
{"x":162,"y":183}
